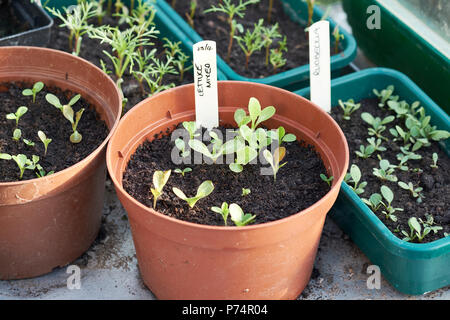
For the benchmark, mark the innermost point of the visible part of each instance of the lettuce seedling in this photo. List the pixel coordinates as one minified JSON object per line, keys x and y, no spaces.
{"x":328,"y":180}
{"x":385,"y":171}
{"x":203,"y":191}
{"x":17,"y":134}
{"x":378,"y":124}
{"x":245,"y":192}
{"x":281,"y":136}
{"x":275,"y":159}
{"x":160,"y":179}
{"x":41,"y":172}
{"x":46,"y":141}
{"x":223,"y":211}
{"x":238,"y":217}
{"x":183,"y":172}
{"x":28,"y":142}
{"x":269,"y":34}
{"x":355,"y":176}
{"x":181,"y":145}
{"x":191,"y":127}
{"x":374,"y":202}
{"x":348,"y":107}
{"x":435,"y":160}
{"x":251,"y":42}
{"x":257,"y":115}
{"x":232,"y":10}
{"x":337,"y":38}
{"x":385,"y":95}
{"x":414,"y":191}
{"x":244,"y":155}
{"x":19,"y":114}
{"x":37,"y":87}
{"x":218,"y":149}
{"x":5,"y":156}
{"x":429,"y":223}
{"x":388,"y":195}
{"x":24,"y":163}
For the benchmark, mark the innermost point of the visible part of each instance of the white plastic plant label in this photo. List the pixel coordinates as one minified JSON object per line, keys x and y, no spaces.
{"x":319,"y":59}
{"x":205,"y":80}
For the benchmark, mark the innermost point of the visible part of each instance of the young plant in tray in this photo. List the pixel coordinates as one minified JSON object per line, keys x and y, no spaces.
{"x":275,"y":159}
{"x":388,"y":196}
{"x":337,"y":38}
{"x":377,"y":124}
{"x":269,"y":34}
{"x":355,"y":177}
{"x":276,"y":55}
{"x":348,"y":107}
{"x":251,"y":41}
{"x":203,"y":191}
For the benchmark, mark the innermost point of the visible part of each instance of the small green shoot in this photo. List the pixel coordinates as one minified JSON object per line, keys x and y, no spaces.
{"x":160,"y":179}
{"x":181,"y":145}
{"x":251,"y":42}
{"x":245,"y":192}
{"x":415,"y":192}
{"x":46,"y":141}
{"x":328,"y":180}
{"x":183,"y":172}
{"x":28,"y":142}
{"x":337,"y":38}
{"x":385,"y":172}
{"x":374,"y":202}
{"x":17,"y":115}
{"x":348,"y":107}
{"x":355,"y":177}
{"x":275,"y":159}
{"x":223,"y":211}
{"x":17,"y":134}
{"x":238,"y":217}
{"x":41,"y":172}
{"x":37,"y":87}
{"x":435,"y":158}
{"x":203,"y":191}
{"x":385,"y":95}
{"x":388,"y":195}
{"x":378,"y":124}
{"x":24,"y":163}
{"x":191,"y":127}
{"x":365,"y":152}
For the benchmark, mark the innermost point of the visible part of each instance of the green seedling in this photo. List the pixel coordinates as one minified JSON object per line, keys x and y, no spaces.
{"x":251,"y":41}
{"x":281,"y":136}
{"x":415,"y":192}
{"x":348,"y":107}
{"x":41,"y":172}
{"x":160,"y":179}
{"x":191,"y":14}
{"x":184,"y":171}
{"x":180,"y":64}
{"x":75,"y":18}
{"x":181,"y":145}
{"x":172,"y":48}
{"x":223,"y":211}
{"x":232,"y":10}
{"x":17,"y":115}
{"x":244,"y":155}
{"x":388,"y":196}
{"x":429,"y":223}
{"x":328,"y":180}
{"x":275,"y":159}
{"x":435,"y":160}
{"x":28,"y":142}
{"x":37,"y":87}
{"x":310,"y":4}
{"x":276,"y":55}
{"x":374,"y":202}
{"x":337,"y":39}
{"x":257,"y":116}
{"x":203,"y":191}
{"x":46,"y":141}
{"x":238,"y":217}
{"x":398,"y":132}
{"x":5,"y":156}
{"x":24,"y":163}
{"x":154,"y":73}
{"x":191,"y":127}
{"x":416,"y":230}
{"x":142,"y":16}
{"x":245,"y":192}
{"x":385,"y":95}
{"x":17,"y":134}
{"x":142,"y":59}
{"x":218,"y":148}
{"x":401,"y":108}
{"x":355,"y":177}
{"x":378,"y":124}
{"x":365,"y":152}
{"x":376,"y":144}
{"x":68,"y":113}
{"x":269,"y":34}
{"x":385,"y":172}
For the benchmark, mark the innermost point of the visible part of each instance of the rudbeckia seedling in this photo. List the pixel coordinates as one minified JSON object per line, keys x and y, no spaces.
{"x":348,"y":107}
{"x":238,"y":217}
{"x":355,"y":176}
{"x":415,"y":192}
{"x":160,"y":179}
{"x":37,"y":87}
{"x":203,"y":191}
{"x":388,"y":195}
{"x":17,"y":115}
{"x":374,"y":202}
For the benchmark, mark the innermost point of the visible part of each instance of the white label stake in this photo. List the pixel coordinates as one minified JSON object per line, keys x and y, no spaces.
{"x":319,"y":61}
{"x":205,"y":79}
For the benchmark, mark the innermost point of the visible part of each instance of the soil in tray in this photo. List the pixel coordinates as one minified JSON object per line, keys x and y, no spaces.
{"x":92,"y":50}
{"x":213,"y":26}
{"x":42,"y":116}
{"x":297,"y":186}
{"x":435,"y":182}
{"x":9,"y":22}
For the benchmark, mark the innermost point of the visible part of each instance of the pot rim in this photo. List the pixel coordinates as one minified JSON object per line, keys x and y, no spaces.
{"x":334,"y":189}
{"x":94,"y":153}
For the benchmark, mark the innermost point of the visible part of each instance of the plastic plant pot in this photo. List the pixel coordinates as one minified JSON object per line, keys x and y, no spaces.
{"x":49,"y":222}
{"x":37,"y":18}
{"x":183,"y":260}
{"x":410,"y":267}
{"x":292,"y":79}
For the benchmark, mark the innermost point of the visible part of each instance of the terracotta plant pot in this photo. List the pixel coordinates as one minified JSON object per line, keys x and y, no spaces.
{"x":182,"y":260}
{"x":49,"y":222}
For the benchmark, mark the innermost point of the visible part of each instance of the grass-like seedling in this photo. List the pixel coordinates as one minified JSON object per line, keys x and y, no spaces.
{"x":377,"y":124}
{"x":46,"y":141}
{"x":203,"y":191}
{"x":269,"y":34}
{"x":231,"y":10}
{"x":245,"y":192}
{"x":68,"y":113}
{"x":183,"y":172}
{"x":37,"y":87}
{"x":17,"y":134}
{"x":276,"y":55}
{"x":180,"y":64}
{"x":310,"y":4}
{"x":415,"y":192}
{"x":435,"y":158}
{"x":348,"y":107}
{"x":385,"y":172}
{"x":224,"y":211}
{"x":328,"y":180}
{"x":385,"y":95}
{"x":160,"y":179}
{"x":238,"y":216}
{"x":75,"y":18}
{"x":275,"y":159}
{"x":17,"y":115}
{"x":337,"y":39}
{"x":355,"y":177}
{"x":251,"y":41}
{"x":374,"y":202}
{"x":388,"y":196}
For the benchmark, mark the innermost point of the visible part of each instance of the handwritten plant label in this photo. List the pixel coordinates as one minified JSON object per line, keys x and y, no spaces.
{"x":205,"y":80}
{"x":319,"y":61}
